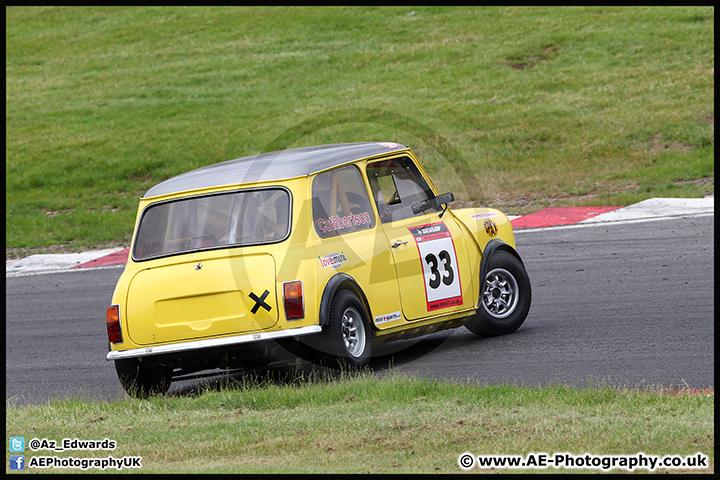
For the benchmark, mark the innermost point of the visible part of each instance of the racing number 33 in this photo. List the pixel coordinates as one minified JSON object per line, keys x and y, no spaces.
{"x":432,"y":262}
{"x":436,"y":248}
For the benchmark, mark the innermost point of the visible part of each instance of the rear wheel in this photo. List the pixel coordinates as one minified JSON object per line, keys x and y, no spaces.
{"x":140,"y":380}
{"x":505,"y":296}
{"x":348,"y":334}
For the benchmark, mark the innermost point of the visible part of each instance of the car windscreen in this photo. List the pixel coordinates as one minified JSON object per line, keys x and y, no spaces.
{"x":248,"y":217}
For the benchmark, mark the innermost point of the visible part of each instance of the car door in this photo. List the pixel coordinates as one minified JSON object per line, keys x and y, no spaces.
{"x":428,"y":248}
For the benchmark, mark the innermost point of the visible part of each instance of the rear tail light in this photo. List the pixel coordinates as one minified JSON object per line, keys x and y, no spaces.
{"x":113,"y":324}
{"x":293,"y":295}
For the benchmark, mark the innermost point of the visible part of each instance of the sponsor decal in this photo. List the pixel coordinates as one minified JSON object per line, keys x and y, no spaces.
{"x":326,"y":225}
{"x":439,"y":263}
{"x":333,"y":260}
{"x":430,"y":232}
{"x":481,"y":216}
{"x":390,"y":145}
{"x":260,"y":301}
{"x":388,"y":317}
{"x":490,"y":227}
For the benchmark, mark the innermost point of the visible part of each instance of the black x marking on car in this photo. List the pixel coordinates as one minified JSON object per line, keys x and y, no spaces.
{"x":260,"y":302}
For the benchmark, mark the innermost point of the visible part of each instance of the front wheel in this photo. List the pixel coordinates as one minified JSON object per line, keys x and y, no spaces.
{"x":348,"y":333}
{"x":505,"y":296}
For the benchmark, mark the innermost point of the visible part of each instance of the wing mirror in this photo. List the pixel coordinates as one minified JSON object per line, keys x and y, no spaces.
{"x":444,"y":199}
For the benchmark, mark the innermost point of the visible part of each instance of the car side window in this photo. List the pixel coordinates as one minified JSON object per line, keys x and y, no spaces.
{"x":397,"y":185}
{"x":340,"y":203}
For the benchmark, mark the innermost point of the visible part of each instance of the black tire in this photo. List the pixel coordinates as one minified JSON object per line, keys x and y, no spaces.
{"x":140,"y":380}
{"x":505,"y":297}
{"x":348,"y":336}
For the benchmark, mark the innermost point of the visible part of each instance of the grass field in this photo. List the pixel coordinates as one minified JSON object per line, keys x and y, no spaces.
{"x":546,"y":106}
{"x":358,"y":423}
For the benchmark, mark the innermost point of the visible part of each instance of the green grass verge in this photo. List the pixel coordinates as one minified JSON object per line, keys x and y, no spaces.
{"x":548,"y":106}
{"x":359,"y":423}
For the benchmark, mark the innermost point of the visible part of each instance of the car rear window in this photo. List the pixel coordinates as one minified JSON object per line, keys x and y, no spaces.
{"x":249,"y":217}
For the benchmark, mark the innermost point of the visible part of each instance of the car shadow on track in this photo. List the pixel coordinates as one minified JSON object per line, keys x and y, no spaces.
{"x":285,"y":368}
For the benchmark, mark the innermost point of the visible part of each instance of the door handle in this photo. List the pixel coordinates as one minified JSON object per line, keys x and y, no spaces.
{"x":398,"y":243}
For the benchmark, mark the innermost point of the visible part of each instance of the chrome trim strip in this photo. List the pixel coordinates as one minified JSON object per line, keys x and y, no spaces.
{"x":213,"y":342}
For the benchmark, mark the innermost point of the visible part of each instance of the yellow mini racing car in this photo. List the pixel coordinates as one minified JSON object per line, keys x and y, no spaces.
{"x":331,"y":249}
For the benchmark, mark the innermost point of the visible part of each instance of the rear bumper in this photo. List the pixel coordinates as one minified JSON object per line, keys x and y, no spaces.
{"x":212,"y":343}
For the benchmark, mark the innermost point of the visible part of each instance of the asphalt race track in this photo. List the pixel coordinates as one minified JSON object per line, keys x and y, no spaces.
{"x":627,"y":305}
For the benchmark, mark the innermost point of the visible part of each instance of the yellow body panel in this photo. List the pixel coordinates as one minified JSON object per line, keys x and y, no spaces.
{"x":202,"y":297}
{"x":366,"y":257}
{"x":486,"y":224}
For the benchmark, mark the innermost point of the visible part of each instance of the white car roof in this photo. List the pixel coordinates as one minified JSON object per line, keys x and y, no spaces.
{"x":272,"y":166}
